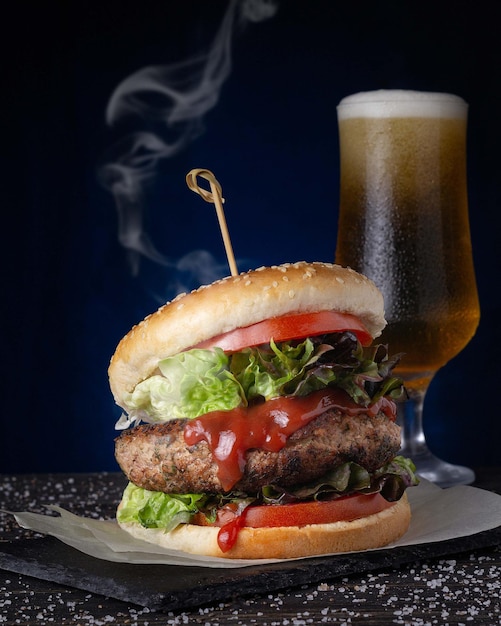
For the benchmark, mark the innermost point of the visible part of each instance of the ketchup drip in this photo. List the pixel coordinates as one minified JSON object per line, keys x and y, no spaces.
{"x":267,"y":426}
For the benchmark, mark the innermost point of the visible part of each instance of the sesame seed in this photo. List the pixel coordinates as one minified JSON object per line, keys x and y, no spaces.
{"x":291,"y":293}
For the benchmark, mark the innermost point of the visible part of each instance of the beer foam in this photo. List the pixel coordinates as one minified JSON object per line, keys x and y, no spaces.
{"x":401,"y":103}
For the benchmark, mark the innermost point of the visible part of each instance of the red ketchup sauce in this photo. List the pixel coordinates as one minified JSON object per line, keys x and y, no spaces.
{"x":267,"y":426}
{"x":228,"y":534}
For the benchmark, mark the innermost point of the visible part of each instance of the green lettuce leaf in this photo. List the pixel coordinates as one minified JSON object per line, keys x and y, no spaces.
{"x":271,"y":373}
{"x":153,"y":509}
{"x":390,"y":481}
{"x":196,"y":382}
{"x":188,"y":385}
{"x":337,"y":360}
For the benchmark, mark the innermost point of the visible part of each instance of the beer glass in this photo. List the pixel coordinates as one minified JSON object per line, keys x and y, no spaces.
{"x":403,"y":221}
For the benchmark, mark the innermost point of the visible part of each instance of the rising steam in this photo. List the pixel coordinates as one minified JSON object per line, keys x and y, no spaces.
{"x":176,"y":96}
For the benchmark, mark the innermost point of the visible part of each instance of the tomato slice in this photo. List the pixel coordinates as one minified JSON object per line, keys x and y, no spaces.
{"x":345,"y":509}
{"x":289,"y":327}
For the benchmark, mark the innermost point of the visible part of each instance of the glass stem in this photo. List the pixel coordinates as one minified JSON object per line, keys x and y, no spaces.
{"x":410,"y":418}
{"x":414,"y":446}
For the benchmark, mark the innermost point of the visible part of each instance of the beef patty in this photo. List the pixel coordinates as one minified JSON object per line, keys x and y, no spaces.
{"x":156,"y":457}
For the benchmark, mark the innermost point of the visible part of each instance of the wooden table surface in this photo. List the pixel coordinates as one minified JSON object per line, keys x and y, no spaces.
{"x":460,"y":588}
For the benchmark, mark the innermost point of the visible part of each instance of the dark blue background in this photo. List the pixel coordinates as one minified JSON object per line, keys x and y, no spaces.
{"x":68,"y":291}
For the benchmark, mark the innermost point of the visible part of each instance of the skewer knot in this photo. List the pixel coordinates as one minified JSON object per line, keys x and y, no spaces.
{"x":208,"y":196}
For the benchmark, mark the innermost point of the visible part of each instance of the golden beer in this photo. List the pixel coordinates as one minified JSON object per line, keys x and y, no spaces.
{"x":404,"y":220}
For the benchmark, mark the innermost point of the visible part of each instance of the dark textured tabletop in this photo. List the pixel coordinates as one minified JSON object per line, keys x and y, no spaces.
{"x":44,"y":581}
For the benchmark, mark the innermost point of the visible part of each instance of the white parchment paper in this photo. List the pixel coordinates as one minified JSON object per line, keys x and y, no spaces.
{"x":437,"y":515}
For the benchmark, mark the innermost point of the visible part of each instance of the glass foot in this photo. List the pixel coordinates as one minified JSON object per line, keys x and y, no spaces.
{"x":441,"y":473}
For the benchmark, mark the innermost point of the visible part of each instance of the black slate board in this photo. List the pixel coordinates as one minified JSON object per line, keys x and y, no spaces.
{"x":169,"y":588}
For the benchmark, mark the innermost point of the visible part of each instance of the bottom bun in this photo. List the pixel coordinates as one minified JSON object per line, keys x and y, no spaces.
{"x":285,"y":542}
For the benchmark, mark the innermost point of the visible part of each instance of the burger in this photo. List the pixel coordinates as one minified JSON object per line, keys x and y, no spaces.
{"x":259,"y":420}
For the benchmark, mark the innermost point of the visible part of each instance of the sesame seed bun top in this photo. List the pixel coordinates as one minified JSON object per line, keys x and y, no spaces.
{"x":236,"y":302}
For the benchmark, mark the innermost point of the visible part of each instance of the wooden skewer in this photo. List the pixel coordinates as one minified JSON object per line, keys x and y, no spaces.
{"x":214,"y":196}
